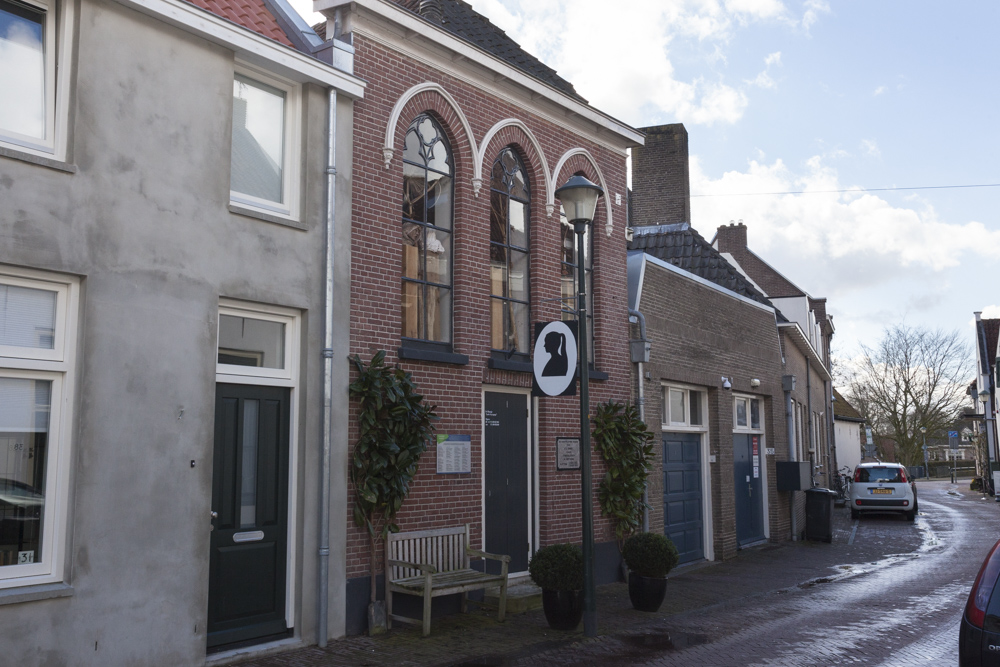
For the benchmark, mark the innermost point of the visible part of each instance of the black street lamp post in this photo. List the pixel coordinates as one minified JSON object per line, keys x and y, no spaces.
{"x":579,"y":199}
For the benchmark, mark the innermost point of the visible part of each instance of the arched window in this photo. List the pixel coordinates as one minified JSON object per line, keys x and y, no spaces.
{"x":428,"y":207}
{"x":569,"y":277}
{"x":509,"y":213}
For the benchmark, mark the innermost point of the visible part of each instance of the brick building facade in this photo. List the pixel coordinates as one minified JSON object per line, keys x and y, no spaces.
{"x":477,"y":94}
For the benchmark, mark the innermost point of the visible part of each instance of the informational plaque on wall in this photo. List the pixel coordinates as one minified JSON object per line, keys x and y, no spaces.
{"x":454,"y":454}
{"x":567,"y":453}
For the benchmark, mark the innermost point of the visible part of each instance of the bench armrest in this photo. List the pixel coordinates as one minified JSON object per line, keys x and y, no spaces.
{"x":476,"y":553}
{"x":423,"y":567}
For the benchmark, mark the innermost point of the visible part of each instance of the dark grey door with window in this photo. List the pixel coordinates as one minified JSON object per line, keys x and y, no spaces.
{"x":682,"y":515}
{"x":506,"y":471}
{"x":747,"y":489}
{"x":246,"y":596}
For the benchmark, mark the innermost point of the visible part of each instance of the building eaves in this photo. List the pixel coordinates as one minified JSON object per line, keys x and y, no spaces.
{"x":682,"y":246}
{"x":252,"y":14}
{"x":801,"y":341}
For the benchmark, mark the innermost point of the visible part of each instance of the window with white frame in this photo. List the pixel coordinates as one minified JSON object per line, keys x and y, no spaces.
{"x":37,"y":347}
{"x":746,"y":413}
{"x":256,"y":342}
{"x":682,"y":407}
{"x":31,"y":98}
{"x":264,"y":169}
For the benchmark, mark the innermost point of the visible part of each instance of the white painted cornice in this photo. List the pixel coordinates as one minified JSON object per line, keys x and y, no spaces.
{"x":390,"y":25}
{"x":248,"y":45}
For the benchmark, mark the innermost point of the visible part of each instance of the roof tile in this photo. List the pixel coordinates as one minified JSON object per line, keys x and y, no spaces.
{"x":252,"y":14}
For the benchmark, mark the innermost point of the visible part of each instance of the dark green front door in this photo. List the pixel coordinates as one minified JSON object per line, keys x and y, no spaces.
{"x":747,"y":489}
{"x":246,"y":595}
{"x":506,"y":473}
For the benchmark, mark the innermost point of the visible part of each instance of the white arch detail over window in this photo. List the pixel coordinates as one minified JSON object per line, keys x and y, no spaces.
{"x":388,"y":149}
{"x":477,"y":176}
{"x":609,"y":225}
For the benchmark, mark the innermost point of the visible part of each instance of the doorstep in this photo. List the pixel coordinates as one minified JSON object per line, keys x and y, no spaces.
{"x":521,"y":597}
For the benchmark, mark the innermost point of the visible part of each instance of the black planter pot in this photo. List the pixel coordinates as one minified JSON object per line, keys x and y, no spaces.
{"x":646,"y":593}
{"x":563,"y":609}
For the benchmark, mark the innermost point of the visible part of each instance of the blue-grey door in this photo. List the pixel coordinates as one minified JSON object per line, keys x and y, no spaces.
{"x":506,"y":472}
{"x":682,"y":516}
{"x":747,"y":489}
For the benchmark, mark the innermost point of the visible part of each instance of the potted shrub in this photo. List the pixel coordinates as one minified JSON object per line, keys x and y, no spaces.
{"x":649,"y":556}
{"x":558,"y":570}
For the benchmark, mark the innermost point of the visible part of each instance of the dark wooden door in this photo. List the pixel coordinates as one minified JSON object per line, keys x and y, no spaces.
{"x":506,"y":471}
{"x":246,"y":596}
{"x":682,"y":515}
{"x":747,"y":488}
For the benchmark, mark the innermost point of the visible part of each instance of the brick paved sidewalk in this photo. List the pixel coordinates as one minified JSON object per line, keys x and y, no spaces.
{"x":476,"y":639}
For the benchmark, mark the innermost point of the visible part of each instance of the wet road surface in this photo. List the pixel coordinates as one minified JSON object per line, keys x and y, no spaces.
{"x":902,"y":609}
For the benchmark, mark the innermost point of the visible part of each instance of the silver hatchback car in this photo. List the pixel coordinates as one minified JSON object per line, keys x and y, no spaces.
{"x":883,"y":487}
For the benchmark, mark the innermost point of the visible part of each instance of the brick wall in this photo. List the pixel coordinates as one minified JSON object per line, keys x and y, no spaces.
{"x":439,"y":500}
{"x":698,"y":335}
{"x":732,"y":239}
{"x":661,"y":187}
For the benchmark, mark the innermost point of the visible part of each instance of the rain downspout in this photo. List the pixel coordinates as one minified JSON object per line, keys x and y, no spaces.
{"x":809,"y":409}
{"x":640,"y":353}
{"x":788,"y":385}
{"x":323,"y":580}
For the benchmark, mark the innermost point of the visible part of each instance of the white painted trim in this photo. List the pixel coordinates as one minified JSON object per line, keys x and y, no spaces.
{"x":687,"y":275}
{"x":293,"y":327}
{"x":492,"y":132}
{"x":248,"y":45}
{"x":42,"y":357}
{"x":530,"y":420}
{"x":413,"y":26}
{"x":62,"y":373}
{"x":610,"y":223}
{"x":388,"y":148}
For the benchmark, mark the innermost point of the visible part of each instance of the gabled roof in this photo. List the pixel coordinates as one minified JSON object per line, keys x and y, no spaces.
{"x":462,"y":20}
{"x":991,"y":328}
{"x":844,"y":410}
{"x":680,"y":245}
{"x":252,"y":14}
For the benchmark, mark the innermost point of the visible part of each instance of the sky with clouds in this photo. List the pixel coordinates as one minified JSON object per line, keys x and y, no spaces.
{"x":813,"y":96}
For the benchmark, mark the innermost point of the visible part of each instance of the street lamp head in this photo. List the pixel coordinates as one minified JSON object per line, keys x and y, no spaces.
{"x":579,"y":199}
{"x":984,"y":396}
{"x":923,"y":429}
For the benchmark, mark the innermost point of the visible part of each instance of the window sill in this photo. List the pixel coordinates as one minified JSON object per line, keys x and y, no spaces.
{"x":510,"y":365}
{"x":267,"y":217}
{"x":33,"y":593}
{"x":417,"y":354}
{"x":64,"y":167}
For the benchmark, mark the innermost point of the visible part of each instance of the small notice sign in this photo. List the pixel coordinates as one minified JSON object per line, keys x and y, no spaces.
{"x":454,"y":454}
{"x":756,"y":472}
{"x":567,"y":453}
{"x":769,"y":451}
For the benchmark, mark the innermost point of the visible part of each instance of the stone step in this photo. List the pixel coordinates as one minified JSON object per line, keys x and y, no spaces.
{"x":521,"y":597}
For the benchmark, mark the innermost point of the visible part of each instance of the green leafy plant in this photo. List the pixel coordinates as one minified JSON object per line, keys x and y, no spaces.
{"x":395,"y":425}
{"x":650,"y":554}
{"x":627,"y":447}
{"x":557,"y":567}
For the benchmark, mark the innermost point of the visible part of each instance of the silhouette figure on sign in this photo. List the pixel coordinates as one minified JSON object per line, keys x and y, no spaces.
{"x":555,"y":345}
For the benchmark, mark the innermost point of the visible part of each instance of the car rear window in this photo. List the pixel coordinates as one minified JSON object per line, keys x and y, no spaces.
{"x":880,"y":475}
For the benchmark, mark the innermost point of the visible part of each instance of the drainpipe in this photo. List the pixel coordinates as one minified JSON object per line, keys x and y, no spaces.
{"x":642,"y":400}
{"x":788,"y":385}
{"x":323,"y":582}
{"x":809,"y":409}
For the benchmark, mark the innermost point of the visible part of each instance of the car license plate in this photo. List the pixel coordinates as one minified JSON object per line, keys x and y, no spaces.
{"x":883,"y":491}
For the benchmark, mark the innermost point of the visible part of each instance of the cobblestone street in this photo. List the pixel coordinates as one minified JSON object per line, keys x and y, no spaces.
{"x":884,"y":592}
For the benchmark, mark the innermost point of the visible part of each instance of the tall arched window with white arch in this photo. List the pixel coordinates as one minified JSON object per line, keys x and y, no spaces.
{"x":428,"y":211}
{"x":510,"y":199}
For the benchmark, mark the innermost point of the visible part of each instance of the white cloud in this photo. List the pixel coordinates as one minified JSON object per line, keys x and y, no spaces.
{"x":879,"y":91}
{"x":870,"y":148}
{"x":989,"y":312}
{"x":773,"y":59}
{"x":813,"y":9}
{"x":763,"y":80}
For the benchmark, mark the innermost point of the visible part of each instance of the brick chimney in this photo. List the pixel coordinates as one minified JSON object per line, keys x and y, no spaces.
{"x":732,"y":238}
{"x":661,"y":184}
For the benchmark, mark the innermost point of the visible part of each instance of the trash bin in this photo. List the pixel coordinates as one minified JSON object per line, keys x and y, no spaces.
{"x":819,"y":514}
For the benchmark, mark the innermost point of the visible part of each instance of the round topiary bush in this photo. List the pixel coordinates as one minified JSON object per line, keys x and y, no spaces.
{"x":649,"y":554}
{"x":557,"y":567}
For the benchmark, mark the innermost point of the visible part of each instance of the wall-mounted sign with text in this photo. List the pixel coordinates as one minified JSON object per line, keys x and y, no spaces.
{"x":567,"y":453}
{"x":454,"y":454}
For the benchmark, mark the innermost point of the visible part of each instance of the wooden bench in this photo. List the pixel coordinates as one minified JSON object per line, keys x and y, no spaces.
{"x":430,"y":563}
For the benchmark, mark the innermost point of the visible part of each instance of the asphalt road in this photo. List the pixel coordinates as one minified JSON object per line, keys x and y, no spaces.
{"x":902,"y":609}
